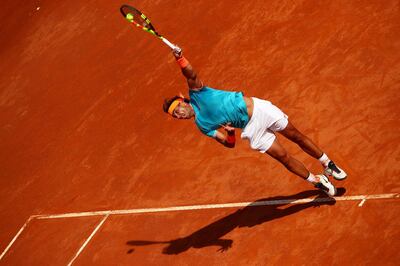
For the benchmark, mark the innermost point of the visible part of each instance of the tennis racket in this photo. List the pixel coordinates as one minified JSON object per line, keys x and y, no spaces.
{"x":139,"y":19}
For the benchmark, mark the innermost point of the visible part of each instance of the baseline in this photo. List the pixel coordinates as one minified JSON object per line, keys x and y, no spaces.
{"x":219,"y":206}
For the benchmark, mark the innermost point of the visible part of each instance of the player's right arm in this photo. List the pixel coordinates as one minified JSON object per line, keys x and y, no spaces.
{"x":188,"y":72}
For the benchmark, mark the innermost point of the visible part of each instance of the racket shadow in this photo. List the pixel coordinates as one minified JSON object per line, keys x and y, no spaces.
{"x":212,"y":234}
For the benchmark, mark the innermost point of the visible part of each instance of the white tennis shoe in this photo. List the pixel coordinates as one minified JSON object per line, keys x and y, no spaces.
{"x":333,"y":170}
{"x":325,"y":185}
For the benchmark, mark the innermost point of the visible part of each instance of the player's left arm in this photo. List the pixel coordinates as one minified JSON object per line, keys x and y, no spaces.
{"x":228,"y":139}
{"x":188,"y":72}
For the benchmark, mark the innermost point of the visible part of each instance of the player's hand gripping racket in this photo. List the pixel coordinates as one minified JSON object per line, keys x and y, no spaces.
{"x":138,"y":19}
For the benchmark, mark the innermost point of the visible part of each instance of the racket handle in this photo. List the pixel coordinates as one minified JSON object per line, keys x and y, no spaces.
{"x":173,"y":47}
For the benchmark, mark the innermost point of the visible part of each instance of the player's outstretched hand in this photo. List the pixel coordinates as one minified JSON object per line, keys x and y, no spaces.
{"x":177,"y":52}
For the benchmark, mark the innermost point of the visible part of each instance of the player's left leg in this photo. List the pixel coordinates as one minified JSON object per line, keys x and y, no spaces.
{"x":307,"y":145}
{"x":279,"y":153}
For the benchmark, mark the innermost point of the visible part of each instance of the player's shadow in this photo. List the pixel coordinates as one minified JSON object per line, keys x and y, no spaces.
{"x":254,"y":214}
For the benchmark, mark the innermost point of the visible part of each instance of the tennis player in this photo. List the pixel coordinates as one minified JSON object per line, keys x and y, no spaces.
{"x":217,"y":113}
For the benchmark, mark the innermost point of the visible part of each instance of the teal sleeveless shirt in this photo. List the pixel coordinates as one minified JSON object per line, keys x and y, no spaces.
{"x":214,"y":108}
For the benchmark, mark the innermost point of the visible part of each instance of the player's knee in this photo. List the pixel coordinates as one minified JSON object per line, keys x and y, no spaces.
{"x":286,"y":159}
{"x":299,"y":138}
{"x":283,"y":157}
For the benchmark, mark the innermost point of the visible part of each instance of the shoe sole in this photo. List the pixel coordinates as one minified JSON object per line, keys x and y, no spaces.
{"x":339,"y":178}
{"x":335,"y":192}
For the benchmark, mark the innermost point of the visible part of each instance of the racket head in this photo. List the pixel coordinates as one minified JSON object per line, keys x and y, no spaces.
{"x":133,"y":15}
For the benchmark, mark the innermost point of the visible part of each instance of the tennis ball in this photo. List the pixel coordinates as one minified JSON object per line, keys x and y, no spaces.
{"x":129,"y":17}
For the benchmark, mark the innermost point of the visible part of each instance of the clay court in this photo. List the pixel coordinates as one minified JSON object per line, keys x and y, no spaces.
{"x":93,"y":172}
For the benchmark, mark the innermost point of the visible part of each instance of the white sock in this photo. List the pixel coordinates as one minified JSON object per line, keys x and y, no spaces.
{"x":311,"y":178}
{"x":324,"y":160}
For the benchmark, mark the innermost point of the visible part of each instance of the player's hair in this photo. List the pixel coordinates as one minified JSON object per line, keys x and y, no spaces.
{"x":169,"y":101}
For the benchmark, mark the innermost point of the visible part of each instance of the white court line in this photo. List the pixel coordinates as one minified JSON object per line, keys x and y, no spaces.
{"x":15,"y":237}
{"x":87,"y":240}
{"x":218,"y":206}
{"x":362,"y":202}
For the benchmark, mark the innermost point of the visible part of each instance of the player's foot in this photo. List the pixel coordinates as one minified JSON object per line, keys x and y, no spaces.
{"x":333,"y":170}
{"x":325,"y":185}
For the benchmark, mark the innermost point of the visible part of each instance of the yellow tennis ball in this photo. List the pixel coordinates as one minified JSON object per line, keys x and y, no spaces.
{"x":129,"y":17}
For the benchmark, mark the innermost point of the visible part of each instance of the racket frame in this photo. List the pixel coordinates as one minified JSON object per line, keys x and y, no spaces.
{"x":149,"y":30}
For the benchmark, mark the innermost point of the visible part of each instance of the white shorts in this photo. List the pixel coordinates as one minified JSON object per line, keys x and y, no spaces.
{"x":266,"y":119}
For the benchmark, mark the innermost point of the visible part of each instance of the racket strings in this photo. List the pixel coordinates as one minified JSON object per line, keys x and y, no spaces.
{"x":137,"y":17}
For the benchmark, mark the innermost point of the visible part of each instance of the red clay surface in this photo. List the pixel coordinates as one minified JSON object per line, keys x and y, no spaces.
{"x":82,"y":129}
